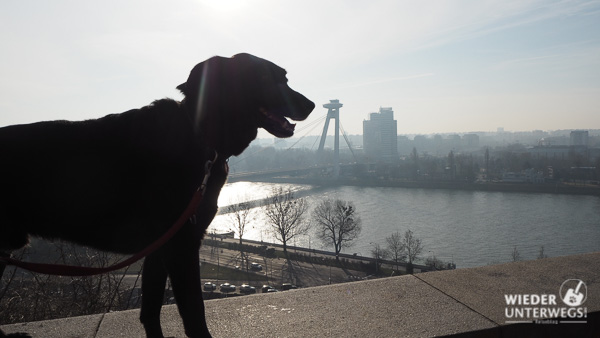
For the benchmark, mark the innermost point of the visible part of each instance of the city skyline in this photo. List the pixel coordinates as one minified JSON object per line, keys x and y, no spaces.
{"x":452,"y":67}
{"x":541,"y":143}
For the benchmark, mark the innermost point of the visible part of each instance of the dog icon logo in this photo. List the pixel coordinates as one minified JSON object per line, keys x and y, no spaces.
{"x":573,"y":292}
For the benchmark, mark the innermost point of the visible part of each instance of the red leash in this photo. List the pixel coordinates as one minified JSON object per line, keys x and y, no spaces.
{"x":69,"y":270}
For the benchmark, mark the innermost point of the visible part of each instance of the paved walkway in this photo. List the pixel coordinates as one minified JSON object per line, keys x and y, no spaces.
{"x":464,"y":302}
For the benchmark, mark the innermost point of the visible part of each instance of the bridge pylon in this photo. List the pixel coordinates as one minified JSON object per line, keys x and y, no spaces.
{"x":333,"y":112}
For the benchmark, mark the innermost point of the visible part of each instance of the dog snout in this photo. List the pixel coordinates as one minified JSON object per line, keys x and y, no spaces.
{"x":306,"y":106}
{"x":310,"y":106}
{"x":299,"y":107}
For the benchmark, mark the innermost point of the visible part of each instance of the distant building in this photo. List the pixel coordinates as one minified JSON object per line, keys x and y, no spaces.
{"x":420,"y":142}
{"x":551,"y":152}
{"x":471,"y":141}
{"x":560,"y":152}
{"x":455,"y":142}
{"x":550,"y":141}
{"x":380,"y":136}
{"x":579,"y":138}
{"x":405,"y":145}
{"x":525,"y":176}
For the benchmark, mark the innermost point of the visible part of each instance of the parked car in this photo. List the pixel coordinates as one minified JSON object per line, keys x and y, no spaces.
{"x":245,"y":288}
{"x":256,"y":266}
{"x":288,"y":286}
{"x":208,"y":286}
{"x":226,"y":287}
{"x":266,"y":288}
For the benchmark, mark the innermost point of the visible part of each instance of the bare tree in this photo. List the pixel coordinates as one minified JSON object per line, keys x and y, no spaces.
{"x":337,"y":224}
{"x":487,"y":164}
{"x":412,"y":246}
{"x":415,"y":158}
{"x":541,"y":254}
{"x":30,"y":297}
{"x":451,"y":165}
{"x":285,"y":216}
{"x":396,"y":248}
{"x":379,"y":254}
{"x":240,"y":214}
{"x":435,"y":263}
{"x":516,"y":256}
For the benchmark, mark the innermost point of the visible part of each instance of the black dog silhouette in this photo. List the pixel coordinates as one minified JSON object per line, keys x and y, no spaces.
{"x":119,"y":182}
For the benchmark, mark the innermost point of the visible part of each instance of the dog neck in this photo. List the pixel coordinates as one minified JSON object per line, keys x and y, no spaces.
{"x":207,"y":131}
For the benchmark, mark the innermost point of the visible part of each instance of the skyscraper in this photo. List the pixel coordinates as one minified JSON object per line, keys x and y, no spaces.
{"x":380,"y":136}
{"x":579,"y":138}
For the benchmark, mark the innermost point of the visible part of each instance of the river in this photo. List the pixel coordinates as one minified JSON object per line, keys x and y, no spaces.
{"x":469,"y":228}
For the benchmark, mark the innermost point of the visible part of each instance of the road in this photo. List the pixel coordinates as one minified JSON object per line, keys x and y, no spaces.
{"x":277,"y":271}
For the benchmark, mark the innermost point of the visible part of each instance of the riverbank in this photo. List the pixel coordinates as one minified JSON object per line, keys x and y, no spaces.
{"x":470,"y":228}
{"x":544,"y":188}
{"x":325,"y":257}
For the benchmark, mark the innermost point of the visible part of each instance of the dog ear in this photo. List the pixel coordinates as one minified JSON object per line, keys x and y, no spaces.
{"x":193,"y":81}
{"x":182,"y":88}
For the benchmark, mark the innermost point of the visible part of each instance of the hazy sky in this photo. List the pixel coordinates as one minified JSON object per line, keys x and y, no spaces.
{"x":443,"y":66}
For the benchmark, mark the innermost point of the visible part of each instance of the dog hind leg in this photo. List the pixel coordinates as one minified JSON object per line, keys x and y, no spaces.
{"x":154,"y":279}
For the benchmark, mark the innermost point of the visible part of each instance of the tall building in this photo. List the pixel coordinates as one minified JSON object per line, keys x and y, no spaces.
{"x":579,"y":138}
{"x":380,"y":136}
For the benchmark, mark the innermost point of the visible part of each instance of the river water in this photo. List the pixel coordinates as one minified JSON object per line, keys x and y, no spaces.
{"x":469,"y":228}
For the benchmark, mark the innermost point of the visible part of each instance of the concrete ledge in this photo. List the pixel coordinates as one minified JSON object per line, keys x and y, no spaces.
{"x":463,"y":302}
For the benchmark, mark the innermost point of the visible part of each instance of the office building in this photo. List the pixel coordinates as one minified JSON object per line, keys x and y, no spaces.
{"x":579,"y":138}
{"x":380,"y":136}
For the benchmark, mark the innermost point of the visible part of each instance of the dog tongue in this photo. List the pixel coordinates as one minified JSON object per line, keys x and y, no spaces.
{"x":278,"y":125}
{"x":287,"y":125}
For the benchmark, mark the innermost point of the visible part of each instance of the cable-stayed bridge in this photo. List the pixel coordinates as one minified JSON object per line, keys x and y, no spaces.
{"x":257,"y":175}
{"x":333,"y":110}
{"x":265,"y":201}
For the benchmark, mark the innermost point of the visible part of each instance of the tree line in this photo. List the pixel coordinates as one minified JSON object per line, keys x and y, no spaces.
{"x":336,"y":223}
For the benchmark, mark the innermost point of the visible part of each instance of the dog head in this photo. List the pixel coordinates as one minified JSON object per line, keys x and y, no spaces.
{"x":228,"y":99}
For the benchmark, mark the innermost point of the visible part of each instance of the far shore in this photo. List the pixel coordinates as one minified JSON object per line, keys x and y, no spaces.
{"x":545,"y":188}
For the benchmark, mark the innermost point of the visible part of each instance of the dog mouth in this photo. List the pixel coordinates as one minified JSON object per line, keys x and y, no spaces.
{"x":276,"y":124}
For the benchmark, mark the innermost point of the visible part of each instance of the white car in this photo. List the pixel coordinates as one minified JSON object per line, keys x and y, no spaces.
{"x":226,"y":287}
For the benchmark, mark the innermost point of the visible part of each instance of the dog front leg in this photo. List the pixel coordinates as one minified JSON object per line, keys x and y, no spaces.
{"x":184,"y":273}
{"x":154,"y":279}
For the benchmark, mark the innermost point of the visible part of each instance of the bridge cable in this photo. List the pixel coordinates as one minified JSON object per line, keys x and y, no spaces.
{"x":347,"y":141}
{"x":313,"y":146}
{"x":314,"y":124}
{"x":306,"y":134}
